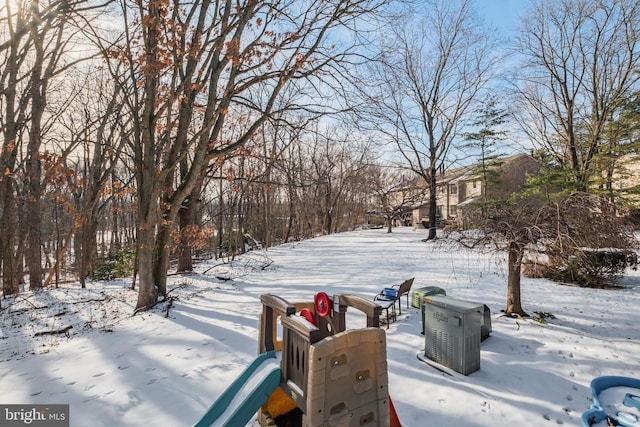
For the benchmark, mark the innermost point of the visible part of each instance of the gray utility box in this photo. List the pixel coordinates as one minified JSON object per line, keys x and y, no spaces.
{"x":417,"y":296}
{"x":452,"y":332}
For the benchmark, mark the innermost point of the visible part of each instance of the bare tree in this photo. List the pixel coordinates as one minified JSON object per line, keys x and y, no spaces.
{"x":431,"y":73}
{"x":95,"y":124}
{"x":36,"y":53}
{"x":394,"y":193}
{"x":579,"y":62}
{"x":291,"y":167}
{"x":335,"y":163}
{"x":195,"y":63}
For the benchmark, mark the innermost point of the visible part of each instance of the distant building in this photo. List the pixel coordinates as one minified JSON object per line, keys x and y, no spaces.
{"x":461,"y":186}
{"x":626,"y":178}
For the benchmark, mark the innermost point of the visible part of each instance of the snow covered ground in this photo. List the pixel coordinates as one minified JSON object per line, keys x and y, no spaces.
{"x":165,"y":367}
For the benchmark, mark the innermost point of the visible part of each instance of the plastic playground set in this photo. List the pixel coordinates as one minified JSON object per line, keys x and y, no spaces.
{"x":312,"y":371}
{"x":319,"y":374}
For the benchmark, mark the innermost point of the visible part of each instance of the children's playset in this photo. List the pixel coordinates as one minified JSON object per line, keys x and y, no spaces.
{"x":318,"y":374}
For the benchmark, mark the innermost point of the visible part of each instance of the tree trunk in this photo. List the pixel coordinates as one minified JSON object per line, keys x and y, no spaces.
{"x":33,"y":218}
{"x":88,"y":248}
{"x":292,"y":212}
{"x":147,"y":290}
{"x":240,"y":225}
{"x":10,"y":227}
{"x":290,"y":220}
{"x":147,"y":227}
{"x":514,"y":304}
{"x":220,"y":224}
{"x":161,"y":259}
{"x":187,"y":222}
{"x":433,"y":205}
{"x":10,"y":282}
{"x":38,"y":95}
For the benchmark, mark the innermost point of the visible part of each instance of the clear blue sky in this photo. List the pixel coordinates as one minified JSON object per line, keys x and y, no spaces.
{"x":503,"y":14}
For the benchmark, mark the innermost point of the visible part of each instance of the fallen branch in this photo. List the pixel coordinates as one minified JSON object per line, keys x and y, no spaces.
{"x":214,"y":266}
{"x":182,"y":273}
{"x":54,"y":332}
{"x":106,"y":298}
{"x":26,"y":310}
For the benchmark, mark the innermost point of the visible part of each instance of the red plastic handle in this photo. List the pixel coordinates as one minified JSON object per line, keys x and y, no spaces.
{"x":307,"y":314}
{"x":322,"y":303}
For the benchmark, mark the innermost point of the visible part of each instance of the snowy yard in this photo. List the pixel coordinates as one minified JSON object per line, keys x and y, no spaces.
{"x":115,"y":369}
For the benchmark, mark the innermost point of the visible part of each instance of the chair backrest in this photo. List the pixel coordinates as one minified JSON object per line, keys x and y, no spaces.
{"x":405,"y":287}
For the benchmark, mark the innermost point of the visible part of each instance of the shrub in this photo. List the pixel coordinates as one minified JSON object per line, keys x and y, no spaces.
{"x":586,"y":267}
{"x":114,"y":266}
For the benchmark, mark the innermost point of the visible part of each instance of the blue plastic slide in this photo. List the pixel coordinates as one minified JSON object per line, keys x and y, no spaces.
{"x":242,"y":399}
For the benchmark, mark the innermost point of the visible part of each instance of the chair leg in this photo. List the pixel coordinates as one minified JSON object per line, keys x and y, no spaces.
{"x":391,"y":316}
{"x":388,"y":318}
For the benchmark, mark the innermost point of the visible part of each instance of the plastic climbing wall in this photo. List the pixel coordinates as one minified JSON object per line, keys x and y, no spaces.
{"x":348,"y":380}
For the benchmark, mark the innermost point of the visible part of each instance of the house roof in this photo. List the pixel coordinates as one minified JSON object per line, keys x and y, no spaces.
{"x":470,"y":172}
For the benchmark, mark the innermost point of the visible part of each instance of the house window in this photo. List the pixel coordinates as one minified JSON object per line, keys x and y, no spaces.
{"x":453,"y":189}
{"x":453,"y":210}
{"x":475,"y":184}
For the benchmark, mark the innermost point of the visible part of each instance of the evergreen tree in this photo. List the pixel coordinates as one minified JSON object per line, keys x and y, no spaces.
{"x":490,"y":118}
{"x":552,"y":180}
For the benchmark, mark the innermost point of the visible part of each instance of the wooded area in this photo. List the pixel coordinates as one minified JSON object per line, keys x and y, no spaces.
{"x":165,"y":128}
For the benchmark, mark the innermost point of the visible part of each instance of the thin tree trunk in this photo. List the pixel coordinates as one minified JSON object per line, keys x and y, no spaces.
{"x":433,"y":205}
{"x":10,"y":230}
{"x":89,"y":247}
{"x":220,"y":224}
{"x":34,"y":218}
{"x":292,"y":213}
{"x":58,"y":260}
{"x":10,"y":282}
{"x":38,"y":93}
{"x":514,"y":304}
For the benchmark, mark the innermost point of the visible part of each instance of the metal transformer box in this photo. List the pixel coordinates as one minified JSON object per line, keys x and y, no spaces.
{"x":453,"y":332}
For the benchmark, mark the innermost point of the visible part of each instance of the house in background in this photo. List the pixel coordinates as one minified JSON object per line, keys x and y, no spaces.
{"x":623,"y":183}
{"x":626,"y":178}
{"x":461,"y":186}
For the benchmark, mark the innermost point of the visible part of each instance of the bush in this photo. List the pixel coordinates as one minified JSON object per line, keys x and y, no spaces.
{"x":587,"y":267}
{"x":114,"y":266}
